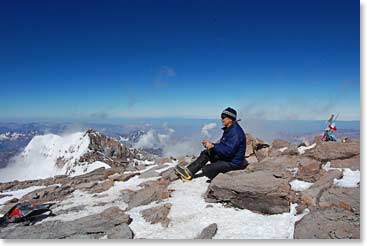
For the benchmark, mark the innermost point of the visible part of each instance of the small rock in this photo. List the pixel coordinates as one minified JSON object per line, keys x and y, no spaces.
{"x":14,"y":200}
{"x":155,"y":191}
{"x":169,"y":174}
{"x":108,"y":172}
{"x":115,"y":177}
{"x":127,"y":176}
{"x":262,"y":153}
{"x":208,"y":232}
{"x":85,"y":186}
{"x":157,"y":214}
{"x":291,"y":150}
{"x":149,"y":174}
{"x":101,"y":187}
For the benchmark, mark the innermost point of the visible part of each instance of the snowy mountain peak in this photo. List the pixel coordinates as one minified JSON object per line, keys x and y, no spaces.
{"x":73,"y":154}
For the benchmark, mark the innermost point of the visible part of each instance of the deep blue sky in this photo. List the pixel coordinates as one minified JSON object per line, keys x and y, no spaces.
{"x":108,"y":59}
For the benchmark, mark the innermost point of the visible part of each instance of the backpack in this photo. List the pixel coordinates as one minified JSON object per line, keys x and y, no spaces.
{"x":26,"y":212}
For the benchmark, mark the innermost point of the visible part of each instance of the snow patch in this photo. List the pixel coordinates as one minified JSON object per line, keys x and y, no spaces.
{"x":295,"y":218}
{"x":327,"y":167}
{"x":299,"y":185}
{"x":189,"y":214}
{"x":283,"y":149}
{"x":84,"y":168}
{"x":303,"y":149}
{"x":133,"y":183}
{"x":89,"y":204}
{"x":350,"y":179}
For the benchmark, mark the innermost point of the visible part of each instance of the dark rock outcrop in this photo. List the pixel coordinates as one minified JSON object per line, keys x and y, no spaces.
{"x":111,"y":151}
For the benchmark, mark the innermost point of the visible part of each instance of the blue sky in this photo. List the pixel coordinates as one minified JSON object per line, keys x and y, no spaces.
{"x":113,"y":59}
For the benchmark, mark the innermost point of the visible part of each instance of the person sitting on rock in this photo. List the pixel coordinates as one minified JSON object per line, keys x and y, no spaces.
{"x":226,"y":155}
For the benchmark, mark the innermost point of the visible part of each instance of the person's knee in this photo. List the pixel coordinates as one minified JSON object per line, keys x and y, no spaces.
{"x":210,"y":172}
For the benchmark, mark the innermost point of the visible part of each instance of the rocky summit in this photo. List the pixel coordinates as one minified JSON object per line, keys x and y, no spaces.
{"x":286,"y":191}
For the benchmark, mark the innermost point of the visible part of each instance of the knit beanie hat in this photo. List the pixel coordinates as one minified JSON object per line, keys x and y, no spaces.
{"x":230,"y":113}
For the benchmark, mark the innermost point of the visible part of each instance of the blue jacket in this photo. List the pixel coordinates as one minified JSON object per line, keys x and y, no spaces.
{"x":232,"y":145}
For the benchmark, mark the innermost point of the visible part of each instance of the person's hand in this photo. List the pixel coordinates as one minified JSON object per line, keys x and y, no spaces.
{"x":208,"y":144}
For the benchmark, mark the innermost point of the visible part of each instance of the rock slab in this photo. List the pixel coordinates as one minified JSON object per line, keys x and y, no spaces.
{"x":258,"y":191}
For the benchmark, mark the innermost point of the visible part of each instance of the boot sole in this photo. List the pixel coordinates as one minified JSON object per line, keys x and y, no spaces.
{"x":182,"y":176}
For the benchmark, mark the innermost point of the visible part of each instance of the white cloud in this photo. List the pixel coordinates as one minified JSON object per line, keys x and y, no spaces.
{"x":206,"y":128}
{"x":169,"y":145}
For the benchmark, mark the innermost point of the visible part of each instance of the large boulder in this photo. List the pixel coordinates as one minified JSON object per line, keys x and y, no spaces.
{"x":328,"y":223}
{"x":259,"y":191}
{"x":111,"y":223}
{"x":327,"y":151}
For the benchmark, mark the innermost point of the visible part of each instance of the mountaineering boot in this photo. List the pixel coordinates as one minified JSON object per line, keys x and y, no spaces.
{"x":183,"y":172}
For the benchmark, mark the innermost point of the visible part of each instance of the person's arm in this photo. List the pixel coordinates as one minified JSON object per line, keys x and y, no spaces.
{"x":228,"y":147}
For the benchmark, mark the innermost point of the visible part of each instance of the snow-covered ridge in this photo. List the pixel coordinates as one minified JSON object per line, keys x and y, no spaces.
{"x":49,"y":155}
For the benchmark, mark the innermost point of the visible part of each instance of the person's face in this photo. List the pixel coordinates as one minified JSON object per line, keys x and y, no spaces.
{"x":226,"y":121}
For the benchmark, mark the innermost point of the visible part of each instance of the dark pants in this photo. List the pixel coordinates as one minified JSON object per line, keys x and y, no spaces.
{"x":211,"y":170}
